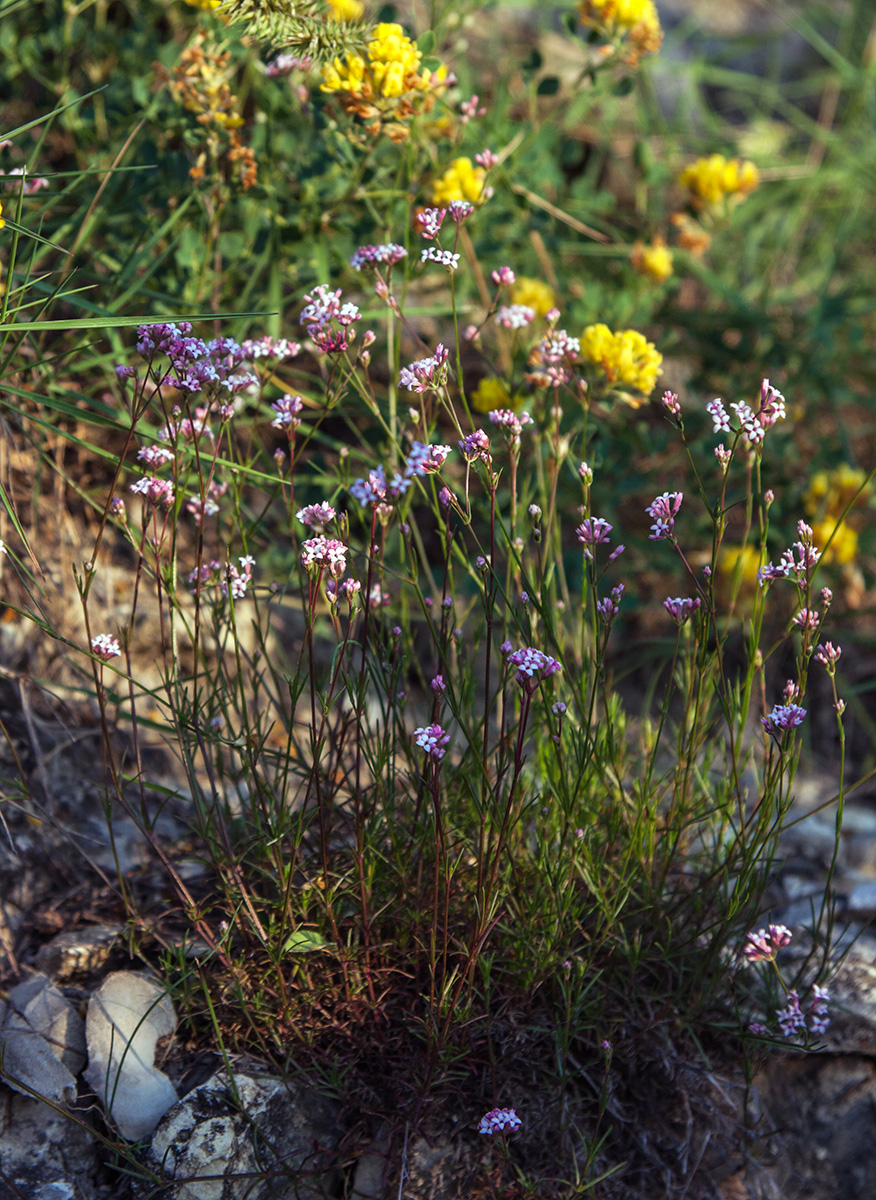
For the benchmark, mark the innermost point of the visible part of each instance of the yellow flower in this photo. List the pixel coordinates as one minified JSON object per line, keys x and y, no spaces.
{"x":746,"y":560}
{"x":206,"y":5}
{"x":635,"y":20}
{"x":836,"y":489}
{"x":461,"y":181}
{"x":655,"y":260}
{"x":392,"y":68}
{"x":492,"y":393}
{"x":534,"y":293}
{"x":710,"y":180}
{"x":346,"y":10}
{"x":844,"y":547}
{"x":2,"y":222}
{"x":626,"y":357}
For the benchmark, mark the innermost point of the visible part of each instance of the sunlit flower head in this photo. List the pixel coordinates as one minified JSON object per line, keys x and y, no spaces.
{"x":533,"y":293}
{"x":655,"y":260}
{"x":711,"y":180}
{"x":625,"y":358}
{"x":461,"y":181}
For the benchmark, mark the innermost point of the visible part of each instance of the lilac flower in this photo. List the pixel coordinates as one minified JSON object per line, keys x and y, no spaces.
{"x":766,"y":943}
{"x":155,"y":457}
{"x":105,"y":647}
{"x":287,"y":410}
{"x":585,"y":473}
{"x":444,"y":258}
{"x":316,"y":515}
{"x":751,"y":427}
{"x":497,"y":1120}
{"x":827,"y":655}
{"x":558,"y":709}
{"x":438,"y":685}
{"x":509,"y":422}
{"x":783,"y":718}
{"x":285,"y":64}
{"x":791,"y":1019}
{"x":680,"y":609}
{"x":320,"y":552}
{"x":433,"y":739}
{"x":503,"y":277}
{"x":430,"y":220}
{"x":720,"y":417}
{"x":468,"y":109}
{"x":533,"y":666}
{"x":237,"y":581}
{"x":795,"y":564}
{"x":515,"y":316}
{"x":268,"y":347}
{"x":758,"y":1029}
{"x":156,"y":491}
{"x":374,"y":256}
{"x":460,"y":210}
{"x":425,"y":458}
{"x":772,"y":405}
{"x":723,"y":456}
{"x":475,"y":445}
{"x":819,"y":1018}
{"x":376,"y":490}
{"x":486,"y":159}
{"x":663,"y":511}
{"x":123,"y":372}
{"x":807,"y":619}
{"x":427,"y":374}
{"x":200,"y":509}
{"x":671,"y":404}
{"x":592,"y":532}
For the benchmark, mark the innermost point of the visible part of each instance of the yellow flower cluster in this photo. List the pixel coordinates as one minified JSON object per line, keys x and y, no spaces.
{"x":2,"y":222}
{"x":655,"y":260}
{"x":534,"y":293}
{"x":491,"y":394}
{"x":391,"y":69}
{"x":634,"y":20}
{"x":827,"y":497}
{"x":461,"y":181}
{"x":710,"y":180}
{"x":200,"y":83}
{"x":206,"y":5}
{"x":346,"y":10}
{"x":626,"y":357}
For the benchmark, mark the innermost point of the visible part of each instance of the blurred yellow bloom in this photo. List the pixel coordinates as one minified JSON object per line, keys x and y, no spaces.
{"x":844,"y":547}
{"x":2,"y":222}
{"x":747,"y":561}
{"x":392,"y":68}
{"x":635,"y":20}
{"x":836,"y":489}
{"x":655,"y":260}
{"x":461,"y":181}
{"x":534,"y":293}
{"x":206,"y":5}
{"x":710,"y":180}
{"x":346,"y":10}
{"x":492,"y":393}
{"x":626,"y":357}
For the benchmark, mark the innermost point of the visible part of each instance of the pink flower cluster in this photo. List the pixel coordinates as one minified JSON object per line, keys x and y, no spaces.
{"x":792,"y":1019}
{"x":783,"y":718}
{"x":509,"y":422}
{"x":319,"y":553}
{"x":497,"y":1120}
{"x":764,"y":945}
{"x":533,"y":666}
{"x":680,"y":609}
{"x":663,"y":510}
{"x":105,"y":647}
{"x":515,"y":316}
{"x":154,"y":490}
{"x":433,"y":739}
{"x":444,"y":258}
{"x":795,"y":564}
{"x":316,"y":515}
{"x":753,"y":424}
{"x":287,"y":409}
{"x":430,"y":221}
{"x":329,"y":322}
{"x":427,"y":374}
{"x":375,"y":256}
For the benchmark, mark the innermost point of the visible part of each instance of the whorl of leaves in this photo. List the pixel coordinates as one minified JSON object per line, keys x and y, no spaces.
{"x":300,"y":26}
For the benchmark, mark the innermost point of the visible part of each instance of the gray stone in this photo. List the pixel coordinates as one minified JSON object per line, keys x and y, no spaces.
{"x":48,"y":1011}
{"x":27,"y":1063}
{"x":44,"y":1154}
{"x":862,"y":900}
{"x":127,"y":1016}
{"x":79,"y":951}
{"x":255,"y":1140}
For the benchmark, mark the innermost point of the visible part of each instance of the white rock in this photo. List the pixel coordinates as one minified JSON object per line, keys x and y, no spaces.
{"x":126,"y":1017}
